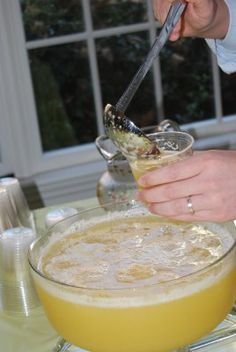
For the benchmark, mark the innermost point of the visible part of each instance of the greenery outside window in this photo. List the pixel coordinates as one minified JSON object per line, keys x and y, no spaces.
{"x":62,"y":73}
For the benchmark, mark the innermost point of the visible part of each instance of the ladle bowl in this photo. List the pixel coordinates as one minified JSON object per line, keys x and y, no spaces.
{"x":126,"y":136}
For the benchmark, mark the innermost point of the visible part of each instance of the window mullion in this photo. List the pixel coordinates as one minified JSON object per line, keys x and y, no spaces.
{"x":63,"y":39}
{"x":93,"y":66}
{"x":75,"y":37}
{"x":216,"y":88}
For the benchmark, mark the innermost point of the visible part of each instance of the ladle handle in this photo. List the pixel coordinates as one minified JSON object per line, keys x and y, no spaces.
{"x":173,"y":16}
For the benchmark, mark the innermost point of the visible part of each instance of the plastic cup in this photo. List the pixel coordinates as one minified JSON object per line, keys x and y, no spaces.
{"x":173,"y":145}
{"x":19,"y":205}
{"x":17,"y":292}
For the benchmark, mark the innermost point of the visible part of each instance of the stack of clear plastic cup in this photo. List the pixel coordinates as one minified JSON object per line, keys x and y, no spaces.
{"x":8,"y":215}
{"x":17,"y":292}
{"x":18,"y":202}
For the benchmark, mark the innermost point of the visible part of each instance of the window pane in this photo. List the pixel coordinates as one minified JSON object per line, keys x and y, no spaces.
{"x":43,"y":18}
{"x":118,"y":59}
{"x":187,"y":81}
{"x":63,"y":94}
{"x":228,"y":85}
{"x":111,"y":13}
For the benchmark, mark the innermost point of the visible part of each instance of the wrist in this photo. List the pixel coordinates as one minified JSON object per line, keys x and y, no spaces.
{"x":219,"y":24}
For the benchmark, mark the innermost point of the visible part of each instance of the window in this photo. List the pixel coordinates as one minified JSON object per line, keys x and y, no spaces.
{"x":79,"y":48}
{"x":63,"y":60}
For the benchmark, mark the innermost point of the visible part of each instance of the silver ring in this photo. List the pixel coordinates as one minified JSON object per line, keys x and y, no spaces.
{"x":190,"y":205}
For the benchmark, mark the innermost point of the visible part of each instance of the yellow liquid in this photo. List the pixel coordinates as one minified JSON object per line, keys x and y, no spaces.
{"x":141,"y":166}
{"x":156,"y":328}
{"x":159,"y":318}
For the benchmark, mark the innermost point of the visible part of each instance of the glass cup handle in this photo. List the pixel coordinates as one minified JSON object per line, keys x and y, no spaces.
{"x":107,"y":154}
{"x":168,"y":125}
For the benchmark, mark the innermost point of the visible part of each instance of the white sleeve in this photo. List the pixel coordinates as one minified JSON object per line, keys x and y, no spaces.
{"x":225,"y":49}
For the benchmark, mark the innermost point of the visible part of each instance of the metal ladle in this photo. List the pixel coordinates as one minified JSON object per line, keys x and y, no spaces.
{"x":127,"y":137}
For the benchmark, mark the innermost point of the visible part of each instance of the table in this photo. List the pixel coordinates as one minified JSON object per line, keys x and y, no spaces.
{"x":40,"y":214}
{"x":227,"y":345}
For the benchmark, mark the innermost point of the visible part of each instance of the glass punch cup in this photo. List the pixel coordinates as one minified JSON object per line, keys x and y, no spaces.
{"x":125,"y":280}
{"x":173,"y":146}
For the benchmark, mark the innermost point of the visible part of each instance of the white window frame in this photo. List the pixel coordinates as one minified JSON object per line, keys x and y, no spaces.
{"x":20,"y":145}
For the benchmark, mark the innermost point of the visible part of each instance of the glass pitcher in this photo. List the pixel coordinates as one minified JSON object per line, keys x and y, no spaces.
{"x":117,"y":183}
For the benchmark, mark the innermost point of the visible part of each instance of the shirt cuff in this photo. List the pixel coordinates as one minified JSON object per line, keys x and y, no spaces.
{"x":229,"y":42}
{"x":225,"y":49}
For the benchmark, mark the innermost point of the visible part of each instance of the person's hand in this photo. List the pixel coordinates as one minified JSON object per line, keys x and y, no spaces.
{"x":202,"y":18}
{"x":208,"y":177}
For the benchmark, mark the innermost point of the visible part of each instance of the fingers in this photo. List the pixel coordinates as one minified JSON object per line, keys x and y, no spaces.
{"x":161,"y":10}
{"x":208,"y":177}
{"x":204,"y":215}
{"x":200,"y":207}
{"x":178,"y":207}
{"x":178,"y":171}
{"x":179,"y":210}
{"x":170,"y":191}
{"x":176,"y":32}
